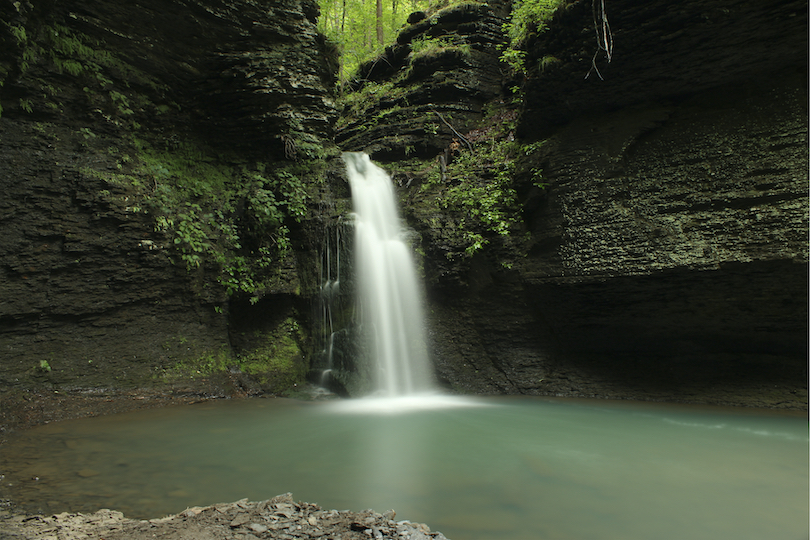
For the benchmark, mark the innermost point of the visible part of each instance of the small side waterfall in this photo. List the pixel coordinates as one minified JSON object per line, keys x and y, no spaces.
{"x":390,"y":296}
{"x":330,"y":290}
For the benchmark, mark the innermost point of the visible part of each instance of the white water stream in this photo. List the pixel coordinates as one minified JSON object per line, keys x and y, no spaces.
{"x":390,"y":295}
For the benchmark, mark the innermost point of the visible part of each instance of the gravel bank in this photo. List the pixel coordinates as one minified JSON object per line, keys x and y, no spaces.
{"x":280,"y":518}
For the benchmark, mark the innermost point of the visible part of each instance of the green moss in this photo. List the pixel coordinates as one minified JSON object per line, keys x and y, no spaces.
{"x":474,"y":200}
{"x":279,"y":365}
{"x":527,"y":17}
{"x":194,"y":198}
{"x":431,"y":47}
{"x":365,"y":103}
{"x":75,"y":53}
{"x":275,"y":362}
{"x":205,"y":365}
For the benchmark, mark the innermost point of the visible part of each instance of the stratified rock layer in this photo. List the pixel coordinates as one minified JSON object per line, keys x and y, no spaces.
{"x":428,"y":93}
{"x":89,"y":296}
{"x":659,"y":50}
{"x":666,"y":258}
{"x":93,"y":293}
{"x":667,"y":253}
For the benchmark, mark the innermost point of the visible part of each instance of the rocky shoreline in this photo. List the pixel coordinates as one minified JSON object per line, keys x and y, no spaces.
{"x":280,"y":518}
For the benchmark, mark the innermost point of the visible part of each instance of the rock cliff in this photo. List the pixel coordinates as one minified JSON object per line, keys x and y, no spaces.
{"x":155,"y":158}
{"x":634,"y":228}
{"x":661,"y":245}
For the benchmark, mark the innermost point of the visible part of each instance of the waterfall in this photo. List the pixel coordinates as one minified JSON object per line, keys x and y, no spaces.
{"x":336,"y":368}
{"x":330,"y":289}
{"x":390,"y":297}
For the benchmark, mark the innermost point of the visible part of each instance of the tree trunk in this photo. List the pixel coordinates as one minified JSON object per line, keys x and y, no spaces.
{"x":380,"y":33}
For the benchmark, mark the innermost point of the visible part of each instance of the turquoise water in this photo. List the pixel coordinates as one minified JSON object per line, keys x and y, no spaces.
{"x":498,"y":468}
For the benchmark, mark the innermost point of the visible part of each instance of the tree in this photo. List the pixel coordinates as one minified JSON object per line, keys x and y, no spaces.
{"x":361,"y":29}
{"x":380,"y":30}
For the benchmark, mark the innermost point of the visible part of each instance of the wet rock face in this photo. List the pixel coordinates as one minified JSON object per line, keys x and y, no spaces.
{"x":247,"y":73}
{"x":734,"y":337}
{"x":91,"y":293}
{"x":714,"y":179}
{"x":252,"y":72}
{"x":668,"y":252}
{"x":658,"y":50}
{"x":89,"y":296}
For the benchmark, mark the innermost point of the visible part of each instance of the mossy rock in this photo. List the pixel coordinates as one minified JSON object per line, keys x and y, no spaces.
{"x":278,"y":366}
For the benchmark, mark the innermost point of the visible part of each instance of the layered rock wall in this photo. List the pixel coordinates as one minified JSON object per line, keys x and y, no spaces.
{"x":410,"y":99}
{"x":650,"y":240}
{"x":89,"y":296}
{"x":665,"y":256}
{"x":98,"y":99}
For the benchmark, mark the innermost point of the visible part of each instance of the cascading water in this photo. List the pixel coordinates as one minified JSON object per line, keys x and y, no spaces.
{"x":330,"y":289}
{"x":336,"y":368}
{"x":390,"y":296}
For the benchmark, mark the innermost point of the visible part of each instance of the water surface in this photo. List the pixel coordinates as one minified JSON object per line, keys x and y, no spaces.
{"x":505,"y":468}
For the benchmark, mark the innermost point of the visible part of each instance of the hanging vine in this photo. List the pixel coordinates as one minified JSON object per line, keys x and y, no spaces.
{"x":604,"y":37}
